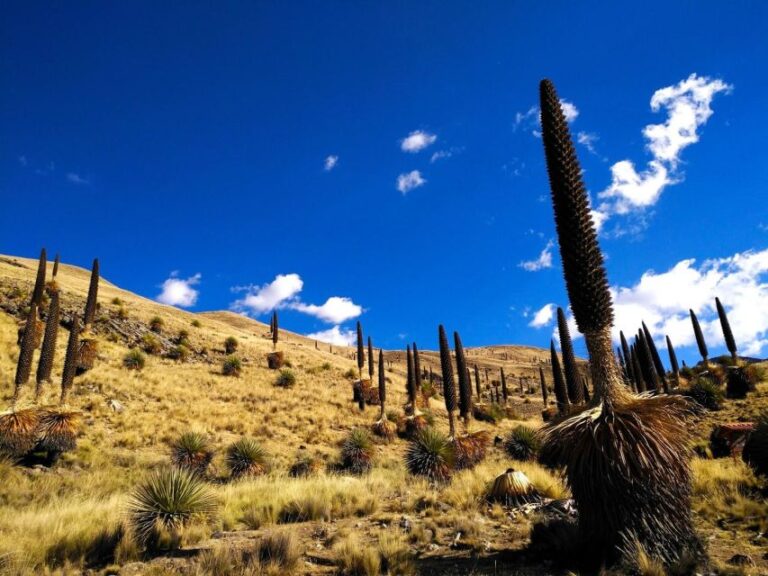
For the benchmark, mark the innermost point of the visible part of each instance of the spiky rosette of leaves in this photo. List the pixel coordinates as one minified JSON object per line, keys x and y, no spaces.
{"x":18,"y":432}
{"x":48,"y":351}
{"x":357,"y":451}
{"x":470,"y":449}
{"x":93,"y":295}
{"x":232,"y":366}
{"x":705,"y":392}
{"x":39,"y":289}
{"x":730,"y":342}
{"x":700,"y":342}
{"x":247,"y":457}
{"x":605,"y":455}
{"x":230,"y":345}
{"x":585,"y":277}
{"x":522,"y":443}
{"x":431,"y":454}
{"x":465,"y":386}
{"x":384,"y":429}
{"x":513,"y":488}
{"x":57,"y":430}
{"x":70,"y":359}
{"x":449,"y":388}
{"x":192,"y":451}
{"x":134,"y":359}
{"x":168,"y":499}
{"x":561,"y":391}
{"x":755,"y":452}
{"x":571,"y":369}
{"x":26,"y":353}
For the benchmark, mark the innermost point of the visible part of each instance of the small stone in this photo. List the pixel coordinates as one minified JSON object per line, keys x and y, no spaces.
{"x":741,"y":560}
{"x":115,"y":405}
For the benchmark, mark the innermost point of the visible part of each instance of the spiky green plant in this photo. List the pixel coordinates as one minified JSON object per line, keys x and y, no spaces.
{"x":134,"y":359}
{"x":730,"y":343}
{"x":513,"y":488}
{"x":561,"y":391}
{"x":287,"y":379}
{"x":192,"y":451}
{"x":661,"y":373}
{"x":39,"y":289}
{"x":431,"y":454}
{"x":247,"y":457}
{"x":617,"y":439}
{"x":93,"y":295}
{"x":755,"y":452}
{"x":465,"y":386}
{"x":26,"y":353}
{"x":230,"y":345}
{"x":357,"y":451}
{"x":570,"y":368}
{"x":522,"y":443}
{"x":705,"y":391}
{"x":700,"y":342}
{"x":449,"y":387}
{"x":48,"y":351}
{"x":71,"y":359}
{"x":360,"y":350}
{"x":673,"y":361}
{"x":168,"y":499}
{"x":275,"y":330}
{"x":156,"y":324}
{"x":232,"y":366}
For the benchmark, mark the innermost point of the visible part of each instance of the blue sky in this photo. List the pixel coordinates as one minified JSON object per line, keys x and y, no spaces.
{"x":379,"y":161}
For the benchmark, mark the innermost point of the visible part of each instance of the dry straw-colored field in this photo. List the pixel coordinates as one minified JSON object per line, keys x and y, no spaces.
{"x":71,"y":518}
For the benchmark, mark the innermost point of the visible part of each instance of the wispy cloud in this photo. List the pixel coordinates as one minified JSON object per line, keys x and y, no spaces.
{"x":588,"y":139}
{"x":543,"y":261}
{"x":330,"y":162}
{"x":409,"y":181}
{"x":336,"y":336}
{"x":543,"y":317}
{"x":77,"y":179}
{"x":179,"y":291}
{"x":689,"y":106}
{"x":417,"y":141}
{"x":442,"y":154}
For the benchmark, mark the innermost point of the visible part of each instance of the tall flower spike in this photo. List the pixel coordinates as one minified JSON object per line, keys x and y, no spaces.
{"x":561,"y":392}
{"x":657,"y":364}
{"x":370,"y":359}
{"x":702,"y":344}
{"x":382,"y":383}
{"x":45,"y":365}
{"x":360,"y":350}
{"x":730,"y":343}
{"x":39,"y":289}
{"x":449,"y":387}
{"x":93,"y":295}
{"x":543,"y":387}
{"x":572,"y":379}
{"x":465,"y":386}
{"x":70,"y":360}
{"x":416,"y":370}
{"x":673,"y":361}
{"x":26,"y":353}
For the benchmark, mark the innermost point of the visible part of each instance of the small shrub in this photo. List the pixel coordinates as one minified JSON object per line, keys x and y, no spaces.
{"x":737,"y":383}
{"x":286,"y":378}
{"x":247,"y":457}
{"x":168,"y":499}
{"x":156,"y":324}
{"x":196,"y":323}
{"x":280,"y":549}
{"x":122,"y":313}
{"x":756,"y":373}
{"x":431,"y":454}
{"x":491,"y":413}
{"x":192,"y":451}
{"x":230,"y":345}
{"x":116,"y":301}
{"x":357,"y":451}
{"x":134,"y":359}
{"x":756,"y":448}
{"x":470,"y":449}
{"x":182,"y":339}
{"x":305,"y":465}
{"x":706,"y":392}
{"x":522,"y":443}
{"x":179,"y":352}
{"x":150,"y":344}
{"x":350,"y":374}
{"x":325,"y":366}
{"x":232,"y":366}
{"x":353,"y":558}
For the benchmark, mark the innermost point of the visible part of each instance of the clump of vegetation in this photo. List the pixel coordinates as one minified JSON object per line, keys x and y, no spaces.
{"x":247,"y":457}
{"x":280,"y":550}
{"x":706,"y":393}
{"x":18,"y":432}
{"x":232,"y":366}
{"x":193,"y":452}
{"x":305,"y":465}
{"x":196,"y":323}
{"x":470,"y":449}
{"x":182,"y":338}
{"x":513,"y":488}
{"x":56,"y":433}
{"x":737,"y":383}
{"x":756,"y":448}
{"x":491,"y":413}
{"x":357,"y":451}
{"x":286,"y":378}
{"x":179,"y":352}
{"x":522,"y":443}
{"x":168,"y":500}
{"x":431,"y":454}
{"x":156,"y":324}
{"x":230,"y":345}
{"x":134,"y":359}
{"x":151,"y":344}
{"x":350,"y":374}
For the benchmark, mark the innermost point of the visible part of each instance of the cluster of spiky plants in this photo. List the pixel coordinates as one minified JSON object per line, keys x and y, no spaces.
{"x":431,"y":454}
{"x":232,"y":366}
{"x":286,"y":378}
{"x":522,"y":443}
{"x":513,"y":488}
{"x":167,"y":500}
{"x":230,"y":345}
{"x":706,"y":392}
{"x":192,"y":451}
{"x":625,"y":458}
{"x":756,"y":447}
{"x":357,"y":451}
{"x":134,"y":359}
{"x":247,"y":457}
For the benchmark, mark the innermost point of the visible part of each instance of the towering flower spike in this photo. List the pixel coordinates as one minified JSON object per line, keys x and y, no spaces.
{"x":646,"y":363}
{"x":572,"y":380}
{"x":504,"y":389}
{"x":275,"y":330}
{"x":70,"y":360}
{"x":465,"y":385}
{"x":56,"y":266}
{"x":39,"y":289}
{"x":449,"y":388}
{"x":543,"y":387}
{"x":93,"y":295}
{"x":370,"y":359}
{"x":382,"y":383}
{"x":410,"y":380}
{"x":627,"y":359}
{"x":360,"y":350}
{"x":657,"y":364}
{"x":477,"y":383}
{"x":702,"y":344}
{"x":24,"y":365}
{"x":416,"y":370}
{"x":48,"y":351}
{"x":561,"y":392}
{"x":637,"y":370}
{"x":730,"y":343}
{"x":673,"y":359}
{"x":585,"y":276}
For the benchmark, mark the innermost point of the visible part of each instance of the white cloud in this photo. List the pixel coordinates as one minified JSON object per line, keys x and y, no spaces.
{"x":416,"y":141}
{"x":543,"y":316}
{"x":440,"y":154}
{"x":688,"y":106}
{"x":662,"y":300}
{"x":529,"y":120}
{"x":330,"y":162}
{"x":409,"y":181}
{"x":336,"y":336}
{"x":265,"y":298}
{"x":569,"y":110}
{"x":179,"y":292}
{"x":335,"y":310}
{"x":543,"y":261}
{"x":76,"y":179}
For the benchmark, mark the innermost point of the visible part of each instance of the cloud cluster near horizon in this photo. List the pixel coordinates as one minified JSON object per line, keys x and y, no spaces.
{"x":179,"y":291}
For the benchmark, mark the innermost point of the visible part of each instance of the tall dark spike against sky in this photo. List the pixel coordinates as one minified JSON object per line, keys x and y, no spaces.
{"x":382,"y":382}
{"x":275,"y":329}
{"x":561,"y":391}
{"x":56,"y":266}
{"x":465,"y":386}
{"x":730,"y":343}
{"x":410,"y":381}
{"x":672,"y":357}
{"x":478,"y":388}
{"x":637,"y":370}
{"x":543,"y":382}
{"x":371,"y":361}
{"x":37,"y":292}
{"x":416,"y":369}
{"x":93,"y":294}
{"x":70,"y":359}
{"x":700,"y":342}
{"x":360,"y":349}
{"x":446,"y":365}
{"x":661,"y":373}
{"x":572,"y":380}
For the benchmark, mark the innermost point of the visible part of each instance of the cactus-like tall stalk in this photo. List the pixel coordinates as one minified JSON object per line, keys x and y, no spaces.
{"x":618,"y":439}
{"x":56,"y":262}
{"x":640,"y":383}
{"x":275,"y":330}
{"x":730,"y":343}
{"x":93,"y":295}
{"x":543,"y":387}
{"x":449,"y":387}
{"x":646,"y":362}
{"x":360,"y":350}
{"x":504,"y":389}
{"x":410,"y":380}
{"x":673,"y":361}
{"x":416,"y":369}
{"x":465,"y":385}
{"x":657,"y":364}
{"x":48,"y":351}
{"x":26,"y":352}
{"x":371,"y":361}
{"x":628,"y":360}
{"x":561,"y":390}
{"x":39,"y":289}
{"x":572,"y":380}
{"x":700,"y":342}
{"x":477,"y":384}
{"x":70,"y":359}
{"x":382,"y":384}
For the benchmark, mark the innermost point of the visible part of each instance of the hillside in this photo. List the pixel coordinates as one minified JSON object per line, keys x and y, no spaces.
{"x":71,"y":518}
